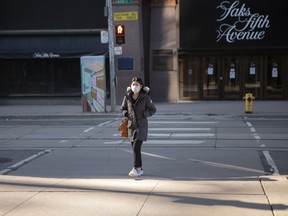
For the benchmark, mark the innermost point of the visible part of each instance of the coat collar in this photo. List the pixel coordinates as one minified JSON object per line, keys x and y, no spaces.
{"x":130,"y":93}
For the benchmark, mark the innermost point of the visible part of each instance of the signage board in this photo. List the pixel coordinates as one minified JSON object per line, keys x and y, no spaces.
{"x":93,"y":83}
{"x":118,"y":50}
{"x":232,"y":24}
{"x":124,"y":16}
{"x":52,"y":15}
{"x":104,"y":37}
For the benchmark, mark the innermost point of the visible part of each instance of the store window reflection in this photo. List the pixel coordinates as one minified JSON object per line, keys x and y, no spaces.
{"x":274,"y":78}
{"x":210,"y":78}
{"x":252,"y":76}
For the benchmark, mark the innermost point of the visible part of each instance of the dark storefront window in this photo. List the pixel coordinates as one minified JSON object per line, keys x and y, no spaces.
{"x":58,"y":15}
{"x":45,"y":77}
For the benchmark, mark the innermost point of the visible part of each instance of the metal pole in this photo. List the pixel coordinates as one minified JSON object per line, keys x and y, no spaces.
{"x":111,"y":56}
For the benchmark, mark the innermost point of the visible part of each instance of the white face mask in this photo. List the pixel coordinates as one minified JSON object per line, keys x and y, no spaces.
{"x":136,"y":89}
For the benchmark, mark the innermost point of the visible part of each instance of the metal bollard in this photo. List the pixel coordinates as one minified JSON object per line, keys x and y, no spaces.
{"x":248,"y":102}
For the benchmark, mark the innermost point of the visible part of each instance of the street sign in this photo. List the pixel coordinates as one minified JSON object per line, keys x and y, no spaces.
{"x":104,"y":36}
{"x":123,"y":1}
{"x":118,"y":50}
{"x":124,"y":16}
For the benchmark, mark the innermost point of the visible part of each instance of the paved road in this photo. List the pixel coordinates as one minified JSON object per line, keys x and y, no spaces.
{"x":201,"y":165}
{"x":271,"y":137}
{"x":181,"y":132}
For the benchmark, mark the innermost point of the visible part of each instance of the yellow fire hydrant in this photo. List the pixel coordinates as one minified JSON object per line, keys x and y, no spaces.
{"x":248,"y":102}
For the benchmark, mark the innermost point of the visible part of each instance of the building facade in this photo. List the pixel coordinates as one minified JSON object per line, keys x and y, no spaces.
{"x":41,"y":46}
{"x":184,"y":50}
{"x":229,"y":48}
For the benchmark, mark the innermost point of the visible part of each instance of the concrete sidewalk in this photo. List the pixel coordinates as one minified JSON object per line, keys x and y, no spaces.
{"x":34,"y":196}
{"x":260,"y":108}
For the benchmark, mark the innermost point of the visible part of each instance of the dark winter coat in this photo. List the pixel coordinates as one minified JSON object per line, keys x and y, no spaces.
{"x":137,"y":114}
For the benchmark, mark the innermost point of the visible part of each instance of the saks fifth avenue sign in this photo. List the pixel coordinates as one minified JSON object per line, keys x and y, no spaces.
{"x":45,"y":55}
{"x":238,"y":23}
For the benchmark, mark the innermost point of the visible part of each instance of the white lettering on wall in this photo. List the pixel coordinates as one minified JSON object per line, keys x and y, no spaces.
{"x":237,"y":23}
{"x":45,"y":55}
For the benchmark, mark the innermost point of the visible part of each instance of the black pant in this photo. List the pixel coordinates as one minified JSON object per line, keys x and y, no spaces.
{"x":136,"y":146}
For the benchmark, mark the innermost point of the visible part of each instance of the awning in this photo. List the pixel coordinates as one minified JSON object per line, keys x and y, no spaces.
{"x":51,"y":46}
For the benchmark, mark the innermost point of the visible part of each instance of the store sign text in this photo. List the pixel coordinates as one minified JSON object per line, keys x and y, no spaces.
{"x":245,"y":25}
{"x":45,"y":55}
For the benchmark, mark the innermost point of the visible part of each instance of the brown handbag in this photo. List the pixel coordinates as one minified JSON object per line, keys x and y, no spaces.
{"x":123,"y":130}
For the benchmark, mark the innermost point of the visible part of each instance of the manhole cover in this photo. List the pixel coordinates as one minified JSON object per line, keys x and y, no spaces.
{"x":5,"y":160}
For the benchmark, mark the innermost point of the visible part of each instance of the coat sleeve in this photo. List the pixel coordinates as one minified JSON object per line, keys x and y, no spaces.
{"x":150,"y":108}
{"x":124,"y":107}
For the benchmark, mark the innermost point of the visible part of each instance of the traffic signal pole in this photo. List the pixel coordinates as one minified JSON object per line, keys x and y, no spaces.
{"x":111,"y":56}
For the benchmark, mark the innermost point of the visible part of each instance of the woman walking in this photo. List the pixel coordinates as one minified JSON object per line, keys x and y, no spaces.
{"x":137,"y":106}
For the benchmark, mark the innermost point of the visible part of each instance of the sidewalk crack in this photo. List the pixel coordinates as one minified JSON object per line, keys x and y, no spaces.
{"x":20,"y":204}
{"x":149,"y":194}
{"x":270,"y":205}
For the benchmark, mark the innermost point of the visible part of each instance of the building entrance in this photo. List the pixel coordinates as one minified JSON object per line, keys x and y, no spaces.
{"x":228,"y":77}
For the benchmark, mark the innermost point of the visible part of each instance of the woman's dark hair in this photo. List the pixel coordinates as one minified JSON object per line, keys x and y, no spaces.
{"x":137,"y":79}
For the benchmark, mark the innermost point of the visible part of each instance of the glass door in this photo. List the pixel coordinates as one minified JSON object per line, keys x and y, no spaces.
{"x":231,"y":77}
{"x":252,"y":76}
{"x":274,"y":76}
{"x":188,"y":77}
{"x":211,"y":77}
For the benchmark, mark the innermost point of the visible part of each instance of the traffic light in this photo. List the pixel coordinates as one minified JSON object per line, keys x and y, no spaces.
{"x":120,"y":34}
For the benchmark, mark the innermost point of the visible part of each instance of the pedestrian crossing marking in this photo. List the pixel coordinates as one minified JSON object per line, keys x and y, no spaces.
{"x":160,"y":142}
{"x":151,"y":155}
{"x":183,"y":135}
{"x":159,"y":134}
{"x":174,"y":136}
{"x":179,"y":129}
{"x":193,"y":135}
{"x":182,"y":122}
{"x":177,"y":142}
